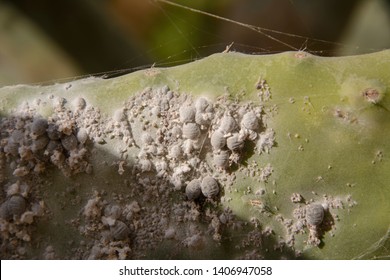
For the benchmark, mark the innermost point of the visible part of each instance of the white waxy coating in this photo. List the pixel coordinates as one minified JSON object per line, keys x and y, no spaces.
{"x":193,"y":189}
{"x":217,"y":140}
{"x":120,"y":230}
{"x":69,"y":142}
{"x":234,"y":142}
{"x":39,"y":127}
{"x":209,"y":187}
{"x":191,"y":131}
{"x":250,"y":121}
{"x":187,"y":114}
{"x":228,"y":124}
{"x":314,"y":214}
{"x":221,"y":159}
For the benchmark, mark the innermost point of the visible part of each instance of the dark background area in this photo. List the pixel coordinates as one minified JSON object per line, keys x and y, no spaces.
{"x":43,"y":40}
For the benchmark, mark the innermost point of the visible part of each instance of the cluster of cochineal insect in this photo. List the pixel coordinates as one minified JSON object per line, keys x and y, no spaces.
{"x":185,"y":140}
{"x":227,"y":131}
{"x":228,"y":139}
{"x":205,"y":124}
{"x":32,"y":142}
{"x":18,"y":211}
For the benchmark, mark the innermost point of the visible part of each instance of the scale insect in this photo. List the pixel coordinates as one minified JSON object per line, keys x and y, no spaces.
{"x":191,"y":131}
{"x":315,"y":214}
{"x":69,"y":142}
{"x":193,"y":189}
{"x":119,"y":231}
{"x":202,"y":105}
{"x":221,"y":159}
{"x":217,"y":140}
{"x":39,"y":127}
{"x":187,"y":114}
{"x":234,"y":142}
{"x":209,"y":187}
{"x":228,"y":124}
{"x":250,"y":121}
{"x":15,"y":206}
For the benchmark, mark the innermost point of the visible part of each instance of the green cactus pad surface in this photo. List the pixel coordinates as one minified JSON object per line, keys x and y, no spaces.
{"x":285,"y":156}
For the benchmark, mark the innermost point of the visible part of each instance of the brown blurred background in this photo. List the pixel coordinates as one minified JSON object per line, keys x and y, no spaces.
{"x":47,"y":40}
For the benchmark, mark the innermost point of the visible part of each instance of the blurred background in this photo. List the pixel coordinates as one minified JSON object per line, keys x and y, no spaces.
{"x":53,"y":40}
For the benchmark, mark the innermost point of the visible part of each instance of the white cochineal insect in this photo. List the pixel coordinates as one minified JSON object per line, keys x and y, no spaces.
{"x":203,"y":105}
{"x":209,"y":187}
{"x":52,"y":146}
{"x":17,"y":136}
{"x":191,"y":131}
{"x":314,"y":214}
{"x":187,"y":114}
{"x":176,"y":132}
{"x":114,"y":211}
{"x":193,"y":189}
{"x":146,"y":139}
{"x":203,"y":119}
{"x":221,"y":159}
{"x":52,"y":132}
{"x":217,"y":140}
{"x":119,"y":231}
{"x":40,"y":143}
{"x":12,"y":148}
{"x":82,"y":135}
{"x":39,"y":127}
{"x":228,"y":124}
{"x":15,"y":206}
{"x":235,"y":142}
{"x":4,"y":211}
{"x":175,"y":152}
{"x":69,"y":142}
{"x":79,"y":103}
{"x":250,"y":121}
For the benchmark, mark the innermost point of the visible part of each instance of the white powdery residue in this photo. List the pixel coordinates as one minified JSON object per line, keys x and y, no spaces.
{"x":296,"y":198}
{"x":266,"y":172}
{"x":266,"y":141}
{"x":264,"y":92}
{"x":93,"y":208}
